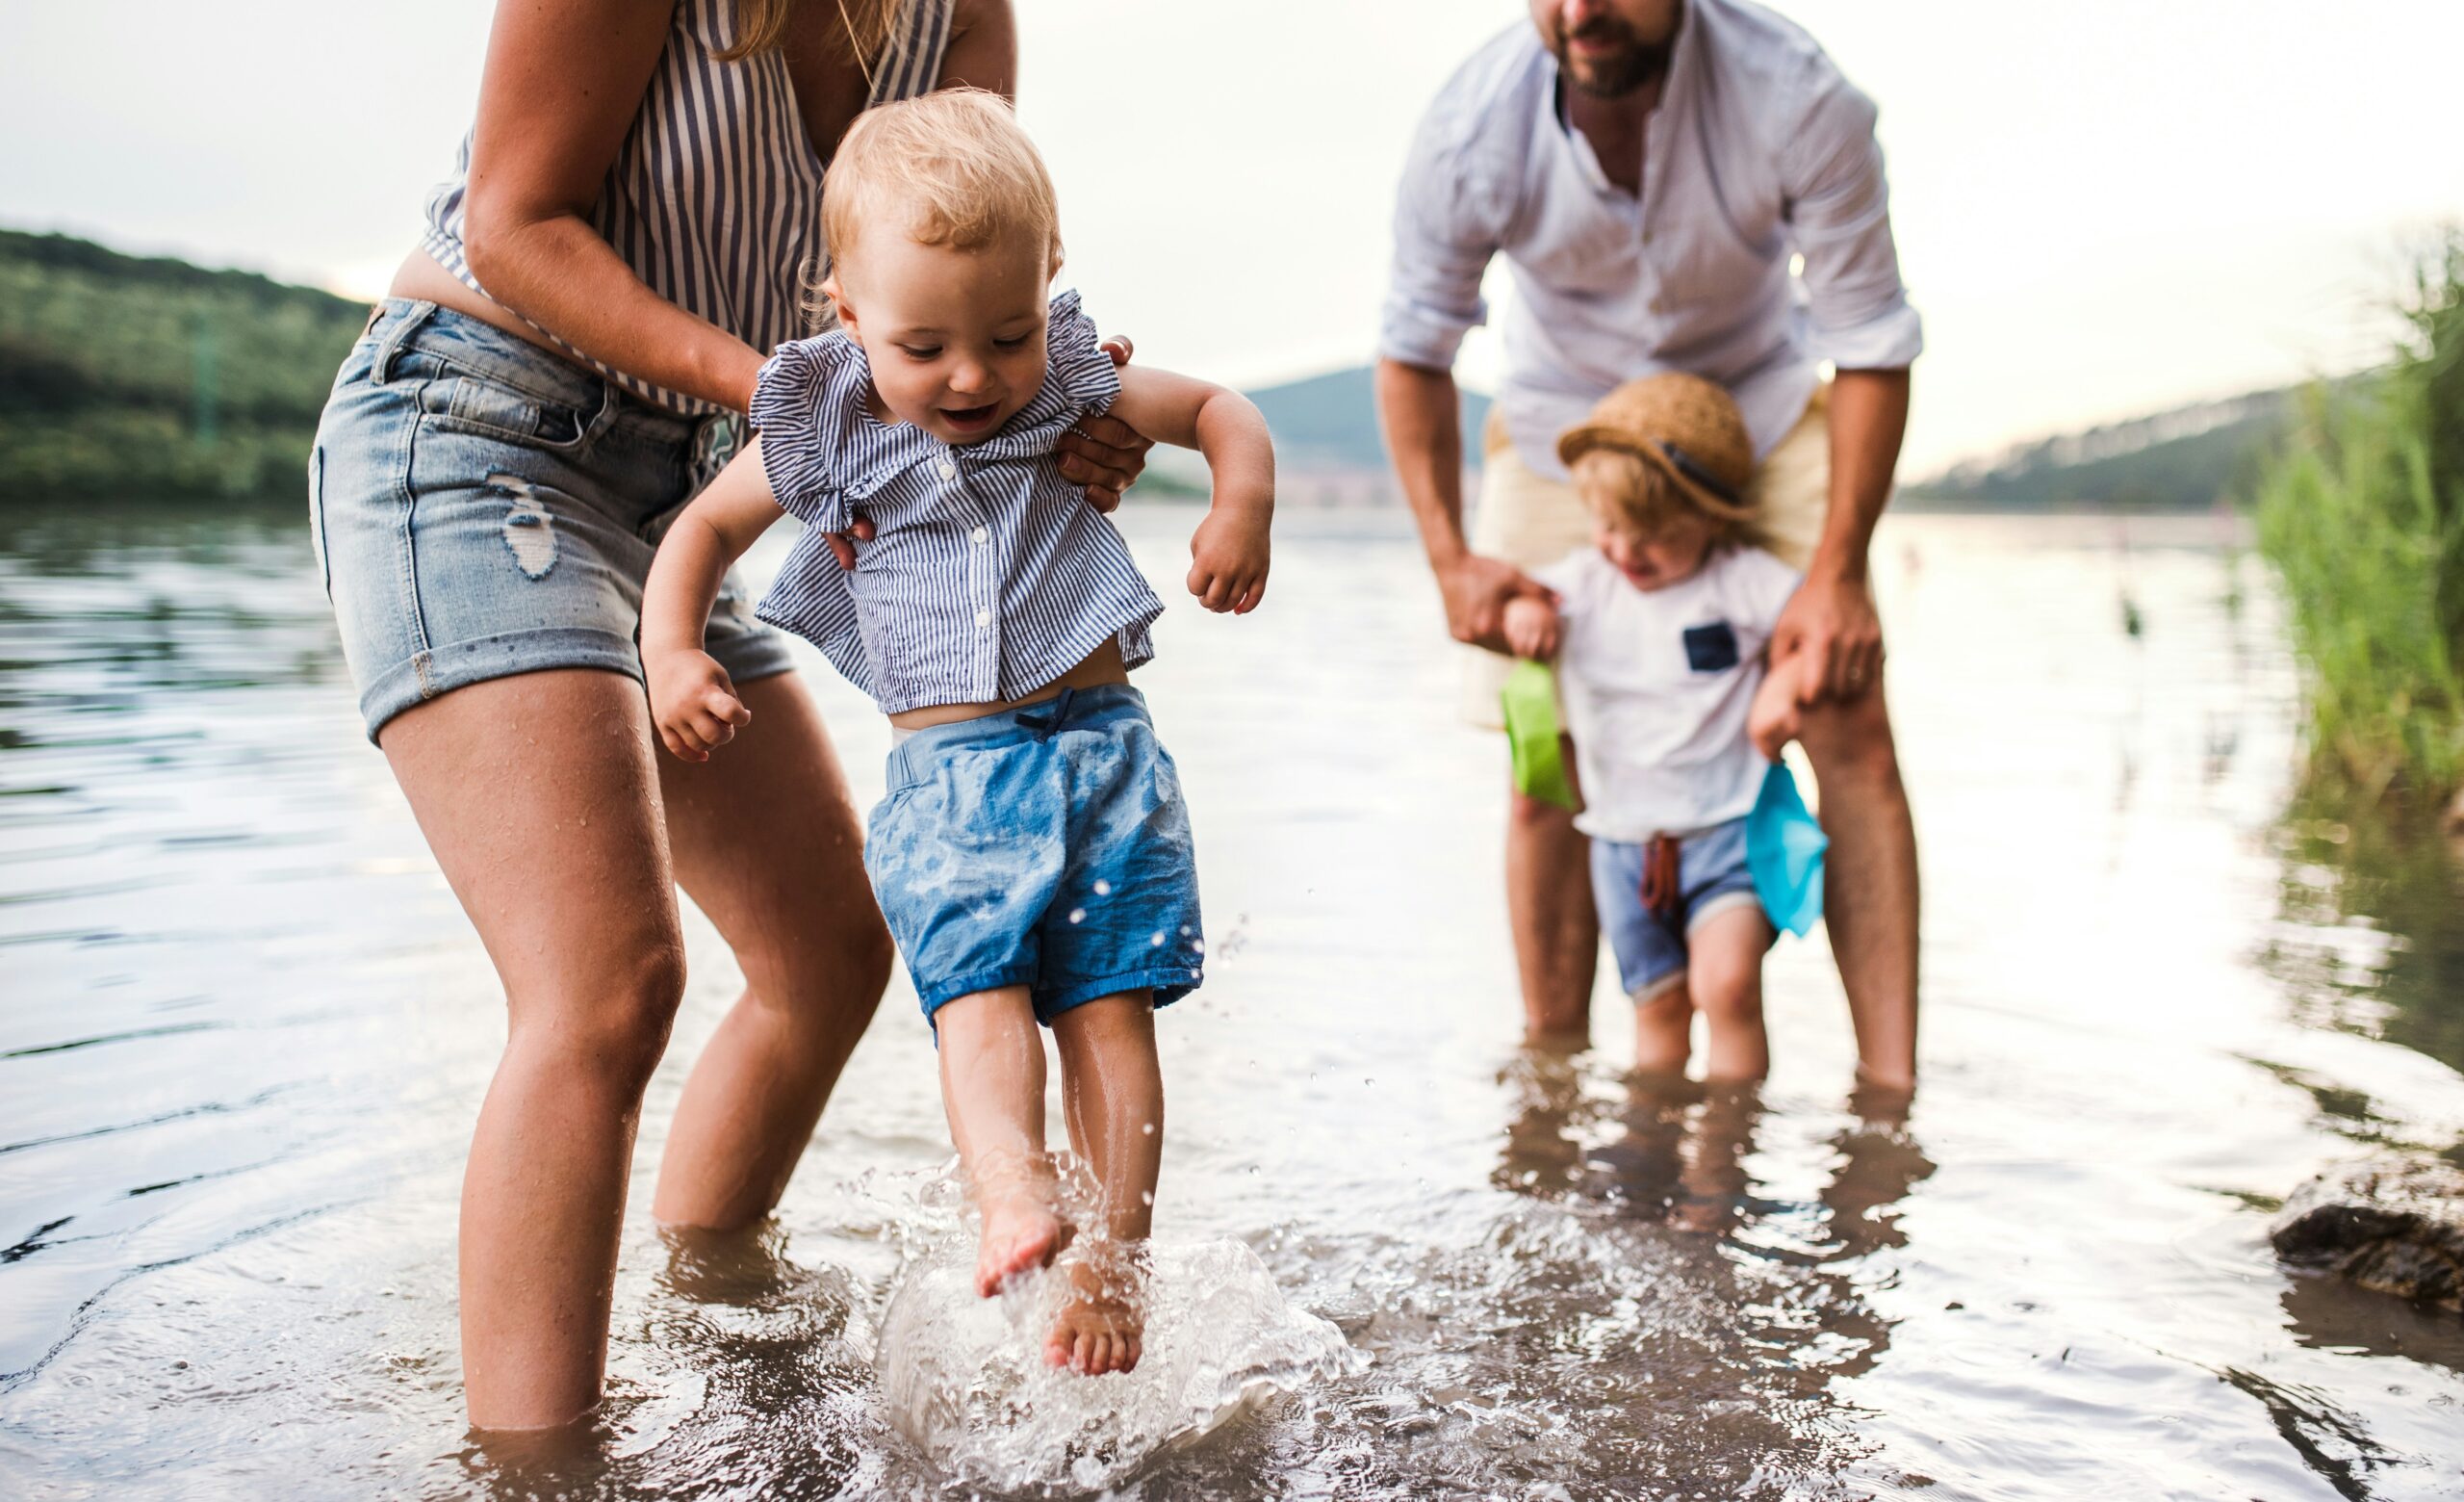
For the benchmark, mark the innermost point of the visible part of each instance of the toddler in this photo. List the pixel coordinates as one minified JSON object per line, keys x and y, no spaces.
{"x":1033,"y":855}
{"x":1659,"y":632}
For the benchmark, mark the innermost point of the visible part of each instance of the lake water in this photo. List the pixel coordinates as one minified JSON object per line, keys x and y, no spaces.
{"x":244,"y":1032}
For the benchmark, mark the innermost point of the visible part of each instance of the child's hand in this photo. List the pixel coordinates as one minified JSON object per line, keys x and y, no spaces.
{"x":693,"y":703}
{"x":1533,"y":627}
{"x":1228,"y":559}
{"x":1777,"y":712}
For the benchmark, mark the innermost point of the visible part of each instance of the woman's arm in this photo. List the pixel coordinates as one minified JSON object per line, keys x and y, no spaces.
{"x":983,"y":50}
{"x":692,"y":701}
{"x":563,"y":80}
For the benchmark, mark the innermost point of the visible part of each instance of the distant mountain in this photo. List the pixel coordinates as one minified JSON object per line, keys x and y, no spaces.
{"x":1330,"y":422}
{"x":2187,"y":459}
{"x":131,"y":376}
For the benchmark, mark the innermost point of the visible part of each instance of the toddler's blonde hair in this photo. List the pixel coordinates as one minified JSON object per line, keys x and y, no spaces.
{"x":1640,"y":500}
{"x":947,"y":168}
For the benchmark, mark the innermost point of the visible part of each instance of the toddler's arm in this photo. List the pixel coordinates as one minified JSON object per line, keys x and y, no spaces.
{"x":1533,"y":627}
{"x":1228,"y":552}
{"x":692,"y":701}
{"x":1777,"y":711}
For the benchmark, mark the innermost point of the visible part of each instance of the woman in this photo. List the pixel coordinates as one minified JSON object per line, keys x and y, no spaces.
{"x":638,"y":201}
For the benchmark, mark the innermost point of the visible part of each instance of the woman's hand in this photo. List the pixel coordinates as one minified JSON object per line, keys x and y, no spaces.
{"x":1104,"y":453}
{"x":693,"y":702}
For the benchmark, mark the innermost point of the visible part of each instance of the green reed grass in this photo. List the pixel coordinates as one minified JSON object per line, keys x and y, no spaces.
{"x":2362,"y":516}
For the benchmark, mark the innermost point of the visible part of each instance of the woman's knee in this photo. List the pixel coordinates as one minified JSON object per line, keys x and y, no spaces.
{"x":609,"y":1025}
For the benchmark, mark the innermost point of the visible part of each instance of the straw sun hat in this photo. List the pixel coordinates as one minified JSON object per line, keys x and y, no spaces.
{"x":1684,"y":427}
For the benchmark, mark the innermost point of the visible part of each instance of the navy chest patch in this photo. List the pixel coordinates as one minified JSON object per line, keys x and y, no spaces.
{"x":1711,"y":649}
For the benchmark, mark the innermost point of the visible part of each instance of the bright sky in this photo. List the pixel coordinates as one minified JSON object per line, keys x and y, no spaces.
{"x":2103,"y":207}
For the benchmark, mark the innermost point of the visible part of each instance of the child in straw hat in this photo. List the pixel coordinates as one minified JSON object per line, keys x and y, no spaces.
{"x":1659,"y":632}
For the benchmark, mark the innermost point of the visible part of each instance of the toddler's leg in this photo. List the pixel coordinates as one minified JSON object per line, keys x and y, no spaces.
{"x":1112,"y":1097}
{"x":1724,"y":972}
{"x":1665,"y":1029}
{"x":993,"y":1090}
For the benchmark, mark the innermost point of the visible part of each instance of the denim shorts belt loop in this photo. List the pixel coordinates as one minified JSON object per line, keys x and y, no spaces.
{"x":482,"y":507}
{"x":1045,"y":846}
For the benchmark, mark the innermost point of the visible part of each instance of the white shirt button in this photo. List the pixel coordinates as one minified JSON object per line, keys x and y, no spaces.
{"x":949,"y":469}
{"x":982,"y":618}
{"x":981,"y":535}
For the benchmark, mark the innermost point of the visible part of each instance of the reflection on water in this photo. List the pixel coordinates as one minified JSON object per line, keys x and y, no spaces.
{"x":245,"y":1028}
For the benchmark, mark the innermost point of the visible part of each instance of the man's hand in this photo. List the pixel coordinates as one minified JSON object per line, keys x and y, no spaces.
{"x":1104,"y":453}
{"x":1830,"y":621}
{"x":693,"y":703}
{"x":1475,"y":591}
{"x":1228,"y":559}
{"x":1533,"y":627}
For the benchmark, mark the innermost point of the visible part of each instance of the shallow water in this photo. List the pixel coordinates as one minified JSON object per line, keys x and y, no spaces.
{"x":244,"y":1031}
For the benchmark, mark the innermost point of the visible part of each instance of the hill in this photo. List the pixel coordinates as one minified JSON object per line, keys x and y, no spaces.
{"x":1331,"y":420}
{"x":130,"y":377}
{"x":2188,"y":458}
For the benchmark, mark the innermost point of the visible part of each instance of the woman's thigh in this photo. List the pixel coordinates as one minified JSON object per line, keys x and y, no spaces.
{"x":537,"y":795}
{"x":767,"y":842}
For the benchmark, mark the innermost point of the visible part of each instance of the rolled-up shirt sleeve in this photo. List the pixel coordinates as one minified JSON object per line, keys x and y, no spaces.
{"x":1839,"y":214}
{"x":1442,"y":249}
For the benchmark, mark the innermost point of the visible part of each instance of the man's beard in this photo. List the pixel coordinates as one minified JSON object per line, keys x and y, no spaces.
{"x":1618,"y":73}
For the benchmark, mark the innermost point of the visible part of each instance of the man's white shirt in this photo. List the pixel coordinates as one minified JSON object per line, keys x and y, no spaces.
{"x":1758,"y":149}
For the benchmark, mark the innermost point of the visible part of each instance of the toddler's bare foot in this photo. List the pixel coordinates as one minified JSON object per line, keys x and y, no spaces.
{"x":1020,"y":1231}
{"x":1102,"y":1327}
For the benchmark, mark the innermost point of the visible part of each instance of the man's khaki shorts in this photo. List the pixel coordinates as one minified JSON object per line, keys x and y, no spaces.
{"x":1531,"y":522}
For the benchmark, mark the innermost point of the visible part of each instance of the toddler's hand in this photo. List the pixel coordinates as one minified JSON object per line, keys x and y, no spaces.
{"x":1533,"y":627}
{"x":693,"y":703}
{"x":1778,"y":711}
{"x":1229,"y":561}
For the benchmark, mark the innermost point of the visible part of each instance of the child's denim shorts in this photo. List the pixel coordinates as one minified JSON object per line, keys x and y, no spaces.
{"x":482,"y":509}
{"x":1045,"y":846}
{"x":1711,"y":878}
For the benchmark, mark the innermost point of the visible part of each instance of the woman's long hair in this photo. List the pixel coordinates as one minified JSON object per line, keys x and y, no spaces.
{"x":870,"y":24}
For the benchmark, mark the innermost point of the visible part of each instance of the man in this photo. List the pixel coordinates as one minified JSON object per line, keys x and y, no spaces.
{"x":1648,"y":168}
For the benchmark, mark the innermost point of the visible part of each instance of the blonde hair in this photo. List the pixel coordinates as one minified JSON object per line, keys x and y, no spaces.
{"x":948,"y":169}
{"x":869,"y":25}
{"x":1640,"y":499}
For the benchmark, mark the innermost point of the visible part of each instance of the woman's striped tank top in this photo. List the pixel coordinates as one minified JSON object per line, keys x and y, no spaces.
{"x":715,"y":198}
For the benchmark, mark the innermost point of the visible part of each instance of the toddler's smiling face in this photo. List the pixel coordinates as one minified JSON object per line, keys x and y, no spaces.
{"x":954,"y":338}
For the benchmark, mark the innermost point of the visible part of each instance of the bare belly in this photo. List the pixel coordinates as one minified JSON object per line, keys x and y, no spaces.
{"x":1103,"y":665}
{"x":419,"y":280}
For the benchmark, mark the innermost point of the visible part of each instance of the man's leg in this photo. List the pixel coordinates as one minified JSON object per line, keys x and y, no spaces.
{"x":1870,"y":882}
{"x":1548,"y":900}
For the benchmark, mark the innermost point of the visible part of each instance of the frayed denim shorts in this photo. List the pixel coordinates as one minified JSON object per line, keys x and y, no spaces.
{"x":1045,"y":846}
{"x":1711,"y":878}
{"x":481,"y":508}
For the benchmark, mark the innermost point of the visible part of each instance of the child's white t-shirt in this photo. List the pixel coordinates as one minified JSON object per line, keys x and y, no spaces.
{"x":1658,"y":684}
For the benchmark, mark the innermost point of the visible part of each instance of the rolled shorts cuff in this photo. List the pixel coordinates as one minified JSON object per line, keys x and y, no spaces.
{"x":1719,"y":902}
{"x":1168,"y":985}
{"x":941,"y":992}
{"x":746,"y":656}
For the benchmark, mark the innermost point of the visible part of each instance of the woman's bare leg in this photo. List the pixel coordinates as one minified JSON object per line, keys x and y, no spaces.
{"x":993,"y":1090}
{"x":538,"y":797}
{"x":767,"y":843}
{"x":1111,"y":1091}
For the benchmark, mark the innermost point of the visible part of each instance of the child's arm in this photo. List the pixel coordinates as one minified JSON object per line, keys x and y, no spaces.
{"x":1228,"y":552}
{"x":692,"y":701}
{"x":1778,"y":711}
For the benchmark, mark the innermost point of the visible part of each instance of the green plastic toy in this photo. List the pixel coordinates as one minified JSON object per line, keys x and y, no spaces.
{"x":1529,"y":701}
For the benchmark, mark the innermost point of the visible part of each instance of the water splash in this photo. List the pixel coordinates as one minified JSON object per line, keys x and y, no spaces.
{"x":965,"y":1381}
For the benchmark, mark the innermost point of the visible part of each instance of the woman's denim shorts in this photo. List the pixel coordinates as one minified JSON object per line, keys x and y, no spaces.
{"x":482,"y":509}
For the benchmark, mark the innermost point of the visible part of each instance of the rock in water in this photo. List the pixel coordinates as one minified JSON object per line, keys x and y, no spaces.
{"x":2395,"y":1227}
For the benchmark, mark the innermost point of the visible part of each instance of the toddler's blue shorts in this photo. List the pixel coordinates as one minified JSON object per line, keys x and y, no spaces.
{"x":1047,"y":846}
{"x":1711,"y":878}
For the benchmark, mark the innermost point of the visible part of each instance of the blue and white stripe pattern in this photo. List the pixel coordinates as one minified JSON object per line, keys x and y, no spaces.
{"x":988,"y":575}
{"x":715,"y":198}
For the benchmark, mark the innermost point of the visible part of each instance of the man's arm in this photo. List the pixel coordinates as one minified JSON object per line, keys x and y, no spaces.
{"x":1422,"y":414}
{"x":1832,"y":616}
